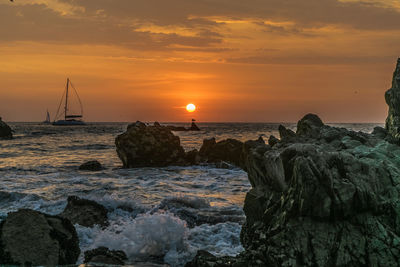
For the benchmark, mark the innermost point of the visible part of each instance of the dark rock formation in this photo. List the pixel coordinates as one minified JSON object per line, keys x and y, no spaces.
{"x":29,"y":237}
{"x":392,"y":98}
{"x":149,"y":146}
{"x":5,"y":130}
{"x":193,"y":127}
{"x":85,"y":212}
{"x":192,"y":157}
{"x":286,"y":133}
{"x":105,"y":256}
{"x":309,"y":126}
{"x":273,"y":140}
{"x":229,"y":150}
{"x":325,"y":196}
{"x":92,"y":165}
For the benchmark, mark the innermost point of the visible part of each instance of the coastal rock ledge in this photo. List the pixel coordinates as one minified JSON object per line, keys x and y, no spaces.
{"x":322,"y":196}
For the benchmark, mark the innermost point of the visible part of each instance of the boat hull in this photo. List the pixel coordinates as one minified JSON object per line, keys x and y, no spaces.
{"x":68,"y":123}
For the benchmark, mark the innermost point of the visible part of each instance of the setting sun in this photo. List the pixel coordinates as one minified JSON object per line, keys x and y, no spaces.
{"x":191,"y":107}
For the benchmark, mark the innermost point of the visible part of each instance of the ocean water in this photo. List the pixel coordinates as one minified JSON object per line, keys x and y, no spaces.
{"x":39,"y":170}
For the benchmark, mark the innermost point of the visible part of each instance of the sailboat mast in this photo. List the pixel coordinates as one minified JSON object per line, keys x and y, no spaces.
{"x":66,"y":101}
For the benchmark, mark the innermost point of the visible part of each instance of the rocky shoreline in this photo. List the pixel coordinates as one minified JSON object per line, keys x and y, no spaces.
{"x":321,"y":196}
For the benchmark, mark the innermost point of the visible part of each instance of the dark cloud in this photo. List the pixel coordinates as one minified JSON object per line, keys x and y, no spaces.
{"x":124,"y":22}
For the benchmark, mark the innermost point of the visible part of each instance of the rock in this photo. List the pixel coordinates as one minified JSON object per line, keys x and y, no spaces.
{"x":309,"y":126}
{"x":176,"y":128}
{"x":273,"y":140}
{"x":324,"y":197}
{"x":312,"y":198}
{"x":157,"y":124}
{"x":194,"y":127}
{"x":206,"y":259}
{"x":105,"y":256}
{"x":29,"y":237}
{"x":93,"y":165}
{"x":5,"y":130}
{"x":193,"y":157}
{"x":229,"y":150}
{"x":380,"y":132}
{"x":85,"y":212}
{"x":392,"y":98}
{"x":149,"y":146}
{"x":286,"y":134}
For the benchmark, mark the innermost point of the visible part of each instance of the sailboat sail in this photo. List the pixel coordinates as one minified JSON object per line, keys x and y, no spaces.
{"x":72,"y":115}
{"x":47,"y":120}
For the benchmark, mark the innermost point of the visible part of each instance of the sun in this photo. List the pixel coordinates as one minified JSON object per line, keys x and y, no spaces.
{"x":191,"y":107}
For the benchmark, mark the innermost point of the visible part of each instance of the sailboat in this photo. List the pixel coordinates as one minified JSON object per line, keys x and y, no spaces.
{"x":70,"y":118}
{"x":47,"y":121}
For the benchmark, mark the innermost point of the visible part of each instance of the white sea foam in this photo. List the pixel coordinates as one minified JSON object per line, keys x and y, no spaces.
{"x":160,"y":237}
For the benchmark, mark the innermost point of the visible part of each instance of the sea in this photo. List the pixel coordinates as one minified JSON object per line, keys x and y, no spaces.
{"x":39,"y":170}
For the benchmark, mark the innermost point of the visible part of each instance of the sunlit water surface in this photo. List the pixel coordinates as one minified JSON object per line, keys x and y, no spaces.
{"x":39,"y":170}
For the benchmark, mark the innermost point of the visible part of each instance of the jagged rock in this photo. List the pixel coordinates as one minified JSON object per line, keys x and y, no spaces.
{"x":85,"y":212}
{"x":157,"y":124}
{"x":149,"y":146}
{"x":105,"y":256}
{"x":309,"y":126}
{"x":29,"y":237}
{"x":392,"y":98}
{"x":5,"y":130}
{"x":285,"y":133}
{"x":229,"y":150}
{"x":93,"y":165}
{"x":273,"y":140}
{"x":326,"y":199}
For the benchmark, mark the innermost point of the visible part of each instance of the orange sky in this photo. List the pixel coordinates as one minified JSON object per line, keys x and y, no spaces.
{"x":255,"y":61}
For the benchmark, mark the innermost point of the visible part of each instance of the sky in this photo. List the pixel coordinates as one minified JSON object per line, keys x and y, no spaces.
{"x":237,"y":61}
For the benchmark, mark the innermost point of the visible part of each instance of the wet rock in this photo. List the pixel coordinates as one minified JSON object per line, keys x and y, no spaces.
{"x":157,"y":124}
{"x":5,"y":130}
{"x":30,"y":237}
{"x":105,"y":256}
{"x":149,"y":146}
{"x":85,"y":212}
{"x":229,"y":150}
{"x":392,"y":98}
{"x":93,"y":165}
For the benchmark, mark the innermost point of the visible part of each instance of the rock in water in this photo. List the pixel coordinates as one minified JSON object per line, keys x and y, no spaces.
{"x":149,"y":146}
{"x":28,"y":237}
{"x":229,"y":150}
{"x":392,"y":98}
{"x":194,"y":127}
{"x":105,"y":256}
{"x":5,"y":130}
{"x":325,"y":197}
{"x":93,"y":165}
{"x":85,"y":212}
